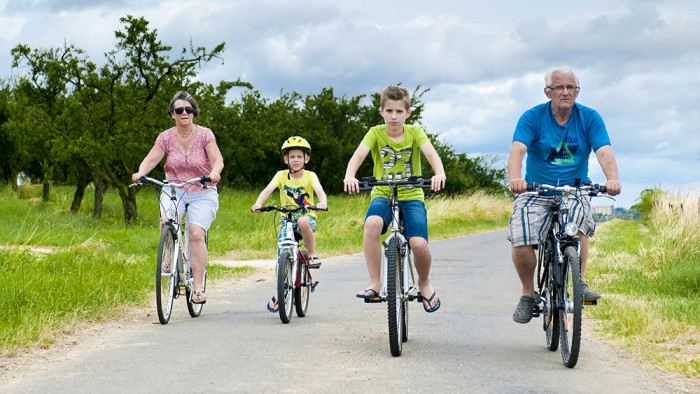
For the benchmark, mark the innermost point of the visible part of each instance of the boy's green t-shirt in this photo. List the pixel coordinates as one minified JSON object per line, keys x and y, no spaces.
{"x":395,"y":161}
{"x":296,"y":193}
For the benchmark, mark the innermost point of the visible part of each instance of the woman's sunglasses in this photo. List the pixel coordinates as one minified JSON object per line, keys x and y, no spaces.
{"x":179,"y":110}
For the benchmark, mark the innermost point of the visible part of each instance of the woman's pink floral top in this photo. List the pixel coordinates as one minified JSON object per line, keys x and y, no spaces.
{"x":180,"y":166}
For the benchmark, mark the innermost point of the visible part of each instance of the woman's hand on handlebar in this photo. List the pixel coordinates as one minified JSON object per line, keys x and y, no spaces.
{"x":322,"y":206}
{"x":214,"y":177}
{"x":255,"y":208}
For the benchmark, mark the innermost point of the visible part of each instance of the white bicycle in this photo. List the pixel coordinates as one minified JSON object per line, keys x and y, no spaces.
{"x":173,"y":267}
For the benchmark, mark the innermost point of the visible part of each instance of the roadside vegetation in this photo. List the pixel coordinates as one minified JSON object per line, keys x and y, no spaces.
{"x":649,"y":274}
{"x":64,"y":269}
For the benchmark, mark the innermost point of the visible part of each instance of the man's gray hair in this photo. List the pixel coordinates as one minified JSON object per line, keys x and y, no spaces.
{"x":565,"y":70}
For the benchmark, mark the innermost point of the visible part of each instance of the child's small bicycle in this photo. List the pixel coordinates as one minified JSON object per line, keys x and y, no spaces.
{"x":398,"y":273}
{"x":294,"y":281}
{"x":173,"y":268}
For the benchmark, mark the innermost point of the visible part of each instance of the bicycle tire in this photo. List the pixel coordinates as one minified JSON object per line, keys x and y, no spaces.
{"x":302,"y":292}
{"x":550,"y":313}
{"x":572,"y":303}
{"x":285,"y":286}
{"x":404,"y":309}
{"x":166,"y":281}
{"x":393,"y":297}
{"x":195,"y":309}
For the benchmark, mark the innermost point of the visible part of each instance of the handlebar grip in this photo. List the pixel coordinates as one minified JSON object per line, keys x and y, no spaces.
{"x":603,"y":189}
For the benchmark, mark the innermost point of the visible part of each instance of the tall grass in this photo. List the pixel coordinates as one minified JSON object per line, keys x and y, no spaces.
{"x":649,"y":273}
{"x":96,"y":267}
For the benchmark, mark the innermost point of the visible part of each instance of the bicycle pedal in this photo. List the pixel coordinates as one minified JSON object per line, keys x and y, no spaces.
{"x":594,"y":302}
{"x":374,"y":300}
{"x":313,"y":286}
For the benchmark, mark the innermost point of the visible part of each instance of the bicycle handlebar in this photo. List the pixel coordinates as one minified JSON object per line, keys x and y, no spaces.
{"x":146,"y":179}
{"x":540,"y":189}
{"x":369,"y":182}
{"x":267,"y":208}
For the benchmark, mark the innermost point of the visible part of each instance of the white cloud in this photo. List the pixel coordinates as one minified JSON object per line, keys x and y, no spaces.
{"x":638,"y":61}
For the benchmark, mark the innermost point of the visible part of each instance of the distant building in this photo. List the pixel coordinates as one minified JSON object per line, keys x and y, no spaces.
{"x":603,"y":210}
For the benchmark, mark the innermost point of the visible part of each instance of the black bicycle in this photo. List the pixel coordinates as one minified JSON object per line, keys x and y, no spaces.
{"x":560,"y":298}
{"x":398,"y":273}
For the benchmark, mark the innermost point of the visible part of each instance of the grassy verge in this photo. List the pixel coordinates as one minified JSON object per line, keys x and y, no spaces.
{"x":649,"y":273}
{"x":97,"y":267}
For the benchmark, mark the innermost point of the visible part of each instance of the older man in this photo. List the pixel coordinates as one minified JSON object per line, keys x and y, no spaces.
{"x":558,"y":137}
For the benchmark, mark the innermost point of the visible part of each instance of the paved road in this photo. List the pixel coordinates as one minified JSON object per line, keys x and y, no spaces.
{"x":471,"y":344}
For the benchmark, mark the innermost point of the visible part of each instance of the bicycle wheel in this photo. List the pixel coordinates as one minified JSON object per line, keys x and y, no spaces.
{"x":166,"y":281}
{"x":404,"y":307}
{"x":550,"y":313}
{"x":570,"y":315}
{"x":195,"y":309}
{"x":303,"y":291}
{"x":394,"y":291}
{"x":285,"y":286}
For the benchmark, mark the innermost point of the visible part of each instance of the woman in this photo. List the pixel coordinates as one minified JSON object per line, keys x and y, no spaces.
{"x":191,"y":152}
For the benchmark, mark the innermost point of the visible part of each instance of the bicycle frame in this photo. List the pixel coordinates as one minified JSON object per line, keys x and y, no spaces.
{"x":408,"y":271}
{"x":293,"y":286}
{"x":559,"y":272}
{"x":174,"y":269}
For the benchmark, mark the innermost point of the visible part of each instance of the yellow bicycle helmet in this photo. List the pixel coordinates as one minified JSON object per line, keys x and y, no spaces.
{"x":296,"y":142}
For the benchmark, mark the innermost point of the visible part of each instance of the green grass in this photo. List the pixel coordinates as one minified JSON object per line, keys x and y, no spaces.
{"x":98,"y":267}
{"x":649,"y":274}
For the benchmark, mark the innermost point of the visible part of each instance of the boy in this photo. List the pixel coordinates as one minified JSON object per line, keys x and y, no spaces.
{"x":395,"y":151}
{"x":297,"y":187}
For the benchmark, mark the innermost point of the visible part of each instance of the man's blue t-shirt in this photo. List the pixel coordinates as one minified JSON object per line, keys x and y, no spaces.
{"x":556,"y":154}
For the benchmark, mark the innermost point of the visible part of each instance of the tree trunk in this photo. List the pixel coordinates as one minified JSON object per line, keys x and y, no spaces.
{"x":99,"y":196}
{"x":77,"y":198}
{"x":128,"y":196}
{"x":45,"y":194}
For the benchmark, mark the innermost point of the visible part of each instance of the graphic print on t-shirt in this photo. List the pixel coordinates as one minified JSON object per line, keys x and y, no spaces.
{"x":297,"y":194}
{"x":563,"y":153}
{"x":397,"y":165}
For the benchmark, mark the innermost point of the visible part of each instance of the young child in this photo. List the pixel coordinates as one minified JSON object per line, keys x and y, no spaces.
{"x":297,"y":187}
{"x":395,"y":149}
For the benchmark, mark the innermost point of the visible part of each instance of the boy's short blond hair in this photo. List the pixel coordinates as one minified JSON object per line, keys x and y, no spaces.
{"x":396,"y":93}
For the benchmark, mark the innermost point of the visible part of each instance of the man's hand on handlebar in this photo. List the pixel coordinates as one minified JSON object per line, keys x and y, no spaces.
{"x":518,"y":185}
{"x":613,"y":187}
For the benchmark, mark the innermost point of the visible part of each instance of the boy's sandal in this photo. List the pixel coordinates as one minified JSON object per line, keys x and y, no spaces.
{"x":314,"y":262}
{"x":274,"y":308}
{"x":199,"y":297}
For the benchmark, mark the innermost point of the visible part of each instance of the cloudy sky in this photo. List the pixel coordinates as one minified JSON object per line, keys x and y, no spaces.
{"x":638,"y":61}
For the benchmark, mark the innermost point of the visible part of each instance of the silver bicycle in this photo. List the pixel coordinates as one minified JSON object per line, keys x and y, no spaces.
{"x":398,"y":273}
{"x":173,"y":267}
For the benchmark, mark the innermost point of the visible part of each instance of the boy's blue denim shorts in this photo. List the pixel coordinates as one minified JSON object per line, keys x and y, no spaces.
{"x":415,"y":217}
{"x":283,"y":226}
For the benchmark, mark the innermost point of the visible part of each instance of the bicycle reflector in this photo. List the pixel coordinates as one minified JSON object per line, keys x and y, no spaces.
{"x":571,"y":229}
{"x":170,"y":213}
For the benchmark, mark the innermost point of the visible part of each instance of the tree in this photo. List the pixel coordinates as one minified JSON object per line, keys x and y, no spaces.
{"x":117,"y":110}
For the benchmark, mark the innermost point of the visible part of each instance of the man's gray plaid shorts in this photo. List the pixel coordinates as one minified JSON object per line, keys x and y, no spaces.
{"x":532,"y":216}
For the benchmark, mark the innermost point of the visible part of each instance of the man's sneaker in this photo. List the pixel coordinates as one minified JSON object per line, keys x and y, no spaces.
{"x":588,"y":294}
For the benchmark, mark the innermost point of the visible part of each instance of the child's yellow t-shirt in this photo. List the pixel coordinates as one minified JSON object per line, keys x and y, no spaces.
{"x":296,"y":192}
